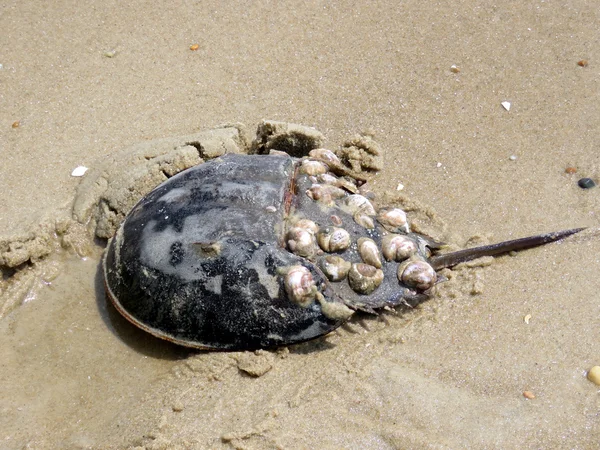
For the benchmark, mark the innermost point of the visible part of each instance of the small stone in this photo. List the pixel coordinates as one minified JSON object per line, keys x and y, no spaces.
{"x":177,"y":406}
{"x":438,"y":165}
{"x":454,"y":68}
{"x":594,"y":375}
{"x":399,"y":187}
{"x":194,"y":47}
{"x":513,"y":157}
{"x":528,"y":395}
{"x":586,"y":183}
{"x":571,"y":170}
{"x":582,"y":63}
{"x":16,"y":124}
{"x":506,"y":105}
{"x":110,"y":53}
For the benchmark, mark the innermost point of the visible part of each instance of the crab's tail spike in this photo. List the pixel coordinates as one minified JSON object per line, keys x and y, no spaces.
{"x":454,"y":258}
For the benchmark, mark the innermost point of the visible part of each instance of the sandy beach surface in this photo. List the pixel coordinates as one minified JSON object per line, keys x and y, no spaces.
{"x":81,"y":82}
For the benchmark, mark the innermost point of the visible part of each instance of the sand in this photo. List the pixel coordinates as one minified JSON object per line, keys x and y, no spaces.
{"x":86,"y":81}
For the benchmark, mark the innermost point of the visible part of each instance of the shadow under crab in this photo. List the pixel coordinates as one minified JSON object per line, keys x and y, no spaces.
{"x":255,"y":251}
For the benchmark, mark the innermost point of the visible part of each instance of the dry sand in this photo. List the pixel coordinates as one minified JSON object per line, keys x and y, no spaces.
{"x":85,"y":81}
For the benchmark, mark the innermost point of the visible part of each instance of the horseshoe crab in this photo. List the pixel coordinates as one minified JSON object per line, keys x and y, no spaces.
{"x":254,"y":251}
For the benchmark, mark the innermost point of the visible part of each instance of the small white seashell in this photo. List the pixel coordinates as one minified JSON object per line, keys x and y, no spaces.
{"x":79,"y":171}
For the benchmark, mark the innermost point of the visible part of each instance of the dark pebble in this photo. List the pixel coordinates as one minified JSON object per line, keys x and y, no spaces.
{"x":586,"y":183}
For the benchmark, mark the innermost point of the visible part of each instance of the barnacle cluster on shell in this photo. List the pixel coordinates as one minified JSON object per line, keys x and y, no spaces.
{"x":360,"y":259}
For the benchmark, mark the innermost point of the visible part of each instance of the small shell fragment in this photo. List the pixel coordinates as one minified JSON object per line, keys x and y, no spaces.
{"x":79,"y":171}
{"x":527,"y":318}
{"x":506,"y":105}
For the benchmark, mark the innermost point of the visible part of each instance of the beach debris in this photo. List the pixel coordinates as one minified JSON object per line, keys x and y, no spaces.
{"x":513,"y":157}
{"x":527,"y":318}
{"x":454,"y":68}
{"x":399,"y":187}
{"x":582,"y":63}
{"x":194,"y":47}
{"x":594,"y":375}
{"x":586,"y":183}
{"x":79,"y":171}
{"x":16,"y":124}
{"x":506,"y":105}
{"x":110,"y":53}
{"x":571,"y":170}
{"x":528,"y":395}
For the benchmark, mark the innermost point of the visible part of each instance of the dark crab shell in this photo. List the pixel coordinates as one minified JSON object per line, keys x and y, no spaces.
{"x":200,"y":260}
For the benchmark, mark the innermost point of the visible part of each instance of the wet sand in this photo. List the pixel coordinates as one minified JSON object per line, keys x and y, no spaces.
{"x":450,"y":374}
